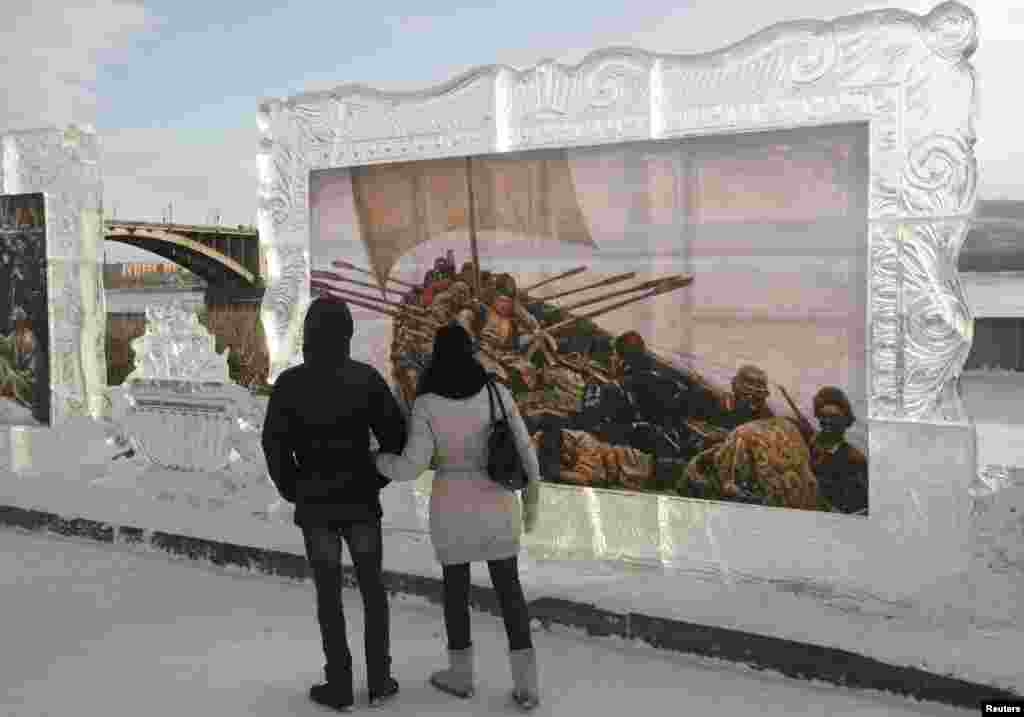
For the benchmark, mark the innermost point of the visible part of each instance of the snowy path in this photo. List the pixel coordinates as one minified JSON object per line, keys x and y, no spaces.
{"x":101,"y":630}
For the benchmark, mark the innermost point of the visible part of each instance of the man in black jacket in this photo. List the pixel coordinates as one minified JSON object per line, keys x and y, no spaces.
{"x":316,"y":438}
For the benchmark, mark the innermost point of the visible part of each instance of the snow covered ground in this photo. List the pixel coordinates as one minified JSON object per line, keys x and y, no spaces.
{"x":103,"y":629}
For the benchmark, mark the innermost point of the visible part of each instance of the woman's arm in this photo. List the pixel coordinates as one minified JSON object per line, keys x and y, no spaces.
{"x":415,"y":459}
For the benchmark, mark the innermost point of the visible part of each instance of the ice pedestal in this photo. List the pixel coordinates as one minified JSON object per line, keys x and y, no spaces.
{"x":184,"y":425}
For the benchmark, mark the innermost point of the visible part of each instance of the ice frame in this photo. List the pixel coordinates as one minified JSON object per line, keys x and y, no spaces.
{"x":64,"y":166}
{"x":906,"y":75}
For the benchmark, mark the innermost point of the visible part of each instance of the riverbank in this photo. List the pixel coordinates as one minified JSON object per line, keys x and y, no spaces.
{"x":135,"y":301}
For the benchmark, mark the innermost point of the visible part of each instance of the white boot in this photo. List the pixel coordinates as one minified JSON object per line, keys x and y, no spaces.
{"x":524,"y":676}
{"x":457,"y":680}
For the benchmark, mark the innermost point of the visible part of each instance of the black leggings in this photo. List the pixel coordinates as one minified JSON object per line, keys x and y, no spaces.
{"x":505,"y":579}
{"x":323,"y":550}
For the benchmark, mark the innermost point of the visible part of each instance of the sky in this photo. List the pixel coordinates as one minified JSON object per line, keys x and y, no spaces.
{"x":173,"y":86}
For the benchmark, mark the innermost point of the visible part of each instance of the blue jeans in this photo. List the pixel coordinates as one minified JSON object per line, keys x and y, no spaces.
{"x":323,"y":551}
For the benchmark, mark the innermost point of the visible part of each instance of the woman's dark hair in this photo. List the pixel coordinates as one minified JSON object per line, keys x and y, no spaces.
{"x":453,"y":371}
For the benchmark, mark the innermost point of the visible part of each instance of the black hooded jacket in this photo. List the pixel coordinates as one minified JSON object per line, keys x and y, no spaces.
{"x":316,"y":435}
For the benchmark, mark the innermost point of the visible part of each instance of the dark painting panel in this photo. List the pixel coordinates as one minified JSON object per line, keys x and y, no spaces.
{"x":24,"y":325}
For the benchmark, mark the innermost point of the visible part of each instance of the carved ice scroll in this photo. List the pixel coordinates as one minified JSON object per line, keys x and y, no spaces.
{"x":907,"y":76}
{"x":64,"y":166}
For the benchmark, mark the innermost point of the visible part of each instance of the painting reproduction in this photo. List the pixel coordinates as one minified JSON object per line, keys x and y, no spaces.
{"x":683,"y":317}
{"x":24,"y":328}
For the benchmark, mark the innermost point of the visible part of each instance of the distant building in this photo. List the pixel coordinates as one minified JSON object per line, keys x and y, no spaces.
{"x":132,"y":274}
{"x":138,"y":269}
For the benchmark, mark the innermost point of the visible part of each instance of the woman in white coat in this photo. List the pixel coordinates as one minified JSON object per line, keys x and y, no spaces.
{"x":472,"y":518}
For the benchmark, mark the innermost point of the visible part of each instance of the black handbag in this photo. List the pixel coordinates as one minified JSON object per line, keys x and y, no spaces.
{"x":504,"y":463}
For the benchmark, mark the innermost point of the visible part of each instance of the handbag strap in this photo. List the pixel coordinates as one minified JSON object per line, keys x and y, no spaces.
{"x":492,"y":390}
{"x":490,"y":397}
{"x":490,"y":400}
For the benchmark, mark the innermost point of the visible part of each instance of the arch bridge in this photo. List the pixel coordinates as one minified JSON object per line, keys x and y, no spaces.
{"x":220,"y":256}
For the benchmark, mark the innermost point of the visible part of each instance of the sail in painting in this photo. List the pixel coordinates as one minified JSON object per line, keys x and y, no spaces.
{"x":403,"y":205}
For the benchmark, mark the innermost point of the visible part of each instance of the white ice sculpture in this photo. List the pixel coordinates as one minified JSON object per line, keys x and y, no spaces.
{"x":176,"y":346}
{"x":182,"y":406}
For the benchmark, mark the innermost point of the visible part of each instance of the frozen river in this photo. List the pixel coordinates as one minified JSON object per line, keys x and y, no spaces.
{"x":134,"y":301}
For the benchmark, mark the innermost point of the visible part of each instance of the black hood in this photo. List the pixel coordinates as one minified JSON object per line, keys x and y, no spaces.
{"x":327,"y":333}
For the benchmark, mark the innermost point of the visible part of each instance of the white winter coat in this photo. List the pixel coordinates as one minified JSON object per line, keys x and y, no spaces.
{"x":472,"y":518}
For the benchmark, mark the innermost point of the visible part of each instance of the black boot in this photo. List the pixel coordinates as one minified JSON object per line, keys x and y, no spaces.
{"x":333,"y":695}
{"x":336,"y":692}
{"x":383,"y":692}
{"x":382,"y":686}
